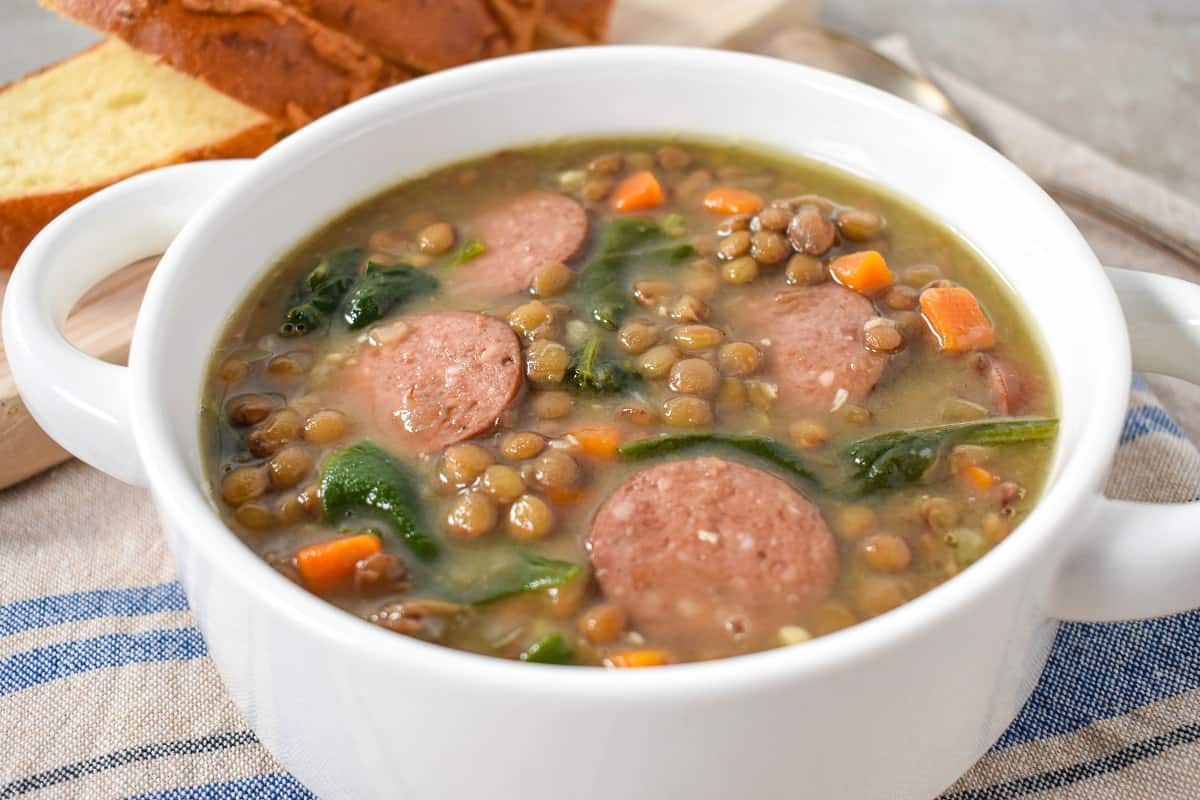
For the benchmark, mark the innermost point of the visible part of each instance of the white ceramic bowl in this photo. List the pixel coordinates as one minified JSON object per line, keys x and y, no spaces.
{"x":895,"y":707}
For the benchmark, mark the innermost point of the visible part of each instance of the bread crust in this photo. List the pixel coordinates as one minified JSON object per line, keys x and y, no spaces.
{"x":420,"y":35}
{"x":264,"y":53}
{"x":574,"y":22}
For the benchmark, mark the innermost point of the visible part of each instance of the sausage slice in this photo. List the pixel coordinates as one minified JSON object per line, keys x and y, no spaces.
{"x":704,"y":548}
{"x":430,"y":380}
{"x":814,"y":345}
{"x":528,"y":232}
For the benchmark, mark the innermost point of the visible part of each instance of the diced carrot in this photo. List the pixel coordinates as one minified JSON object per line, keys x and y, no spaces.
{"x":954,"y":316}
{"x":978,"y":477}
{"x":638,"y":192}
{"x":866,"y":272}
{"x":564,"y":497}
{"x":626,"y":659}
{"x":600,"y":441}
{"x":325,"y":566}
{"x":731,"y":200}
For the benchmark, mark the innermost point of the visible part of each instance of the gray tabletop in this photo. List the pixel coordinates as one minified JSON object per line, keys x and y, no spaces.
{"x":1122,"y":75}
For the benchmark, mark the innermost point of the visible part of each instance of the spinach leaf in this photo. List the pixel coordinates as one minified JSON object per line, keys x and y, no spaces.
{"x":759,"y":447}
{"x":528,"y":572}
{"x":903,"y":458}
{"x":622,"y":242}
{"x":365,"y":479}
{"x":551,"y":649}
{"x":320,"y":291}
{"x":587,"y":372}
{"x":381,"y":289}
{"x":471,"y":248}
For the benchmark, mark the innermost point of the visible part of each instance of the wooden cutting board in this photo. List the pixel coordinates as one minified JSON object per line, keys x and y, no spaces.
{"x":101,"y":325}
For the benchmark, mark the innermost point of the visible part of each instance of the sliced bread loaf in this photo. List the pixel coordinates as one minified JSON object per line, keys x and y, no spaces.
{"x":99,"y":116}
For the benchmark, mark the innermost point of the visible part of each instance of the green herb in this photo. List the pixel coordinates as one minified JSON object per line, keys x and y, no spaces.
{"x":622,"y":242}
{"x":366,"y":480}
{"x":472,"y":248}
{"x":528,"y":572}
{"x":320,"y":291}
{"x":551,"y":649}
{"x":674,"y":224}
{"x":587,"y":372}
{"x":772,"y":452}
{"x":382,"y":289}
{"x":902,"y":458}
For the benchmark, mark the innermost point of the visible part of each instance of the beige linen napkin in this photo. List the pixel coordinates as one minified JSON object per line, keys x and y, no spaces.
{"x":106,"y":689}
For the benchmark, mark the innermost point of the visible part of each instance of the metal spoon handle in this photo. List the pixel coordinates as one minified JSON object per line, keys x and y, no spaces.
{"x":1129,"y":220}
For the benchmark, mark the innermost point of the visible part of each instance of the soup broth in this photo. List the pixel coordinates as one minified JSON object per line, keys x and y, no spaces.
{"x":628,"y":403}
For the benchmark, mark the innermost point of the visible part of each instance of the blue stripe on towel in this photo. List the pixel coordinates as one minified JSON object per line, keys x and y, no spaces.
{"x":1097,"y":672}
{"x":278,"y":786}
{"x":1149,"y":419}
{"x":57,"y":661}
{"x":42,"y":612}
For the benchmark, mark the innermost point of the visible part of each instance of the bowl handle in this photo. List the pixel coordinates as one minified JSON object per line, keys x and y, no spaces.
{"x":81,"y":401}
{"x":1142,"y":559}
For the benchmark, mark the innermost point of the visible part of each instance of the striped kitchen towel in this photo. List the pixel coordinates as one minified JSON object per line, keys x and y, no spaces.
{"x":106,"y":690}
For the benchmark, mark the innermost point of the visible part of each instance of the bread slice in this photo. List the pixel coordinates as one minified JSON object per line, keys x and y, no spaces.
{"x":264,"y":53}
{"x":101,"y":115}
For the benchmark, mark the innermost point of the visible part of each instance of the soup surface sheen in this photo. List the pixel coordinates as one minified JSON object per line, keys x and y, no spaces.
{"x":627,"y":403}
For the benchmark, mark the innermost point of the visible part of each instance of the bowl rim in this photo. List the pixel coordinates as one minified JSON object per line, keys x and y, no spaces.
{"x":1081,"y":470}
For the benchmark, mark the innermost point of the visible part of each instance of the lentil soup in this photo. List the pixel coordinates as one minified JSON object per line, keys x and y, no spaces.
{"x":628,"y":403}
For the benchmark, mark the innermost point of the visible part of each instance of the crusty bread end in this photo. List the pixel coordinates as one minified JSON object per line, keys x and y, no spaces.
{"x":101,"y":115}
{"x":264,"y":53}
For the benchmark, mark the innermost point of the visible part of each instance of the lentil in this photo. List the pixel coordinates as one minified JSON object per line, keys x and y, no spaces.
{"x":521,"y":446}
{"x":502,"y":483}
{"x":687,"y":412}
{"x":529,"y":518}
{"x":289,"y":466}
{"x":546,"y":362}
{"x":657,"y":361}
{"x":731,"y":395}
{"x":602,"y":624}
{"x":740,"y":270}
{"x":769,"y":247}
{"x":693,"y":376}
{"x":472,"y":515}
{"x":739,"y":359}
{"x":274,"y":432}
{"x":810,"y":232}
{"x":696,"y":338}
{"x":325,"y":427}
{"x":637,"y":337}
{"x":673,"y":158}
{"x":551,"y":280}
{"x":250,"y":409}
{"x":463,"y":463}
{"x":774,"y":218}
{"x":734,"y":245}
{"x":552,"y":405}
{"x":436,"y":239}
{"x":886,"y":552}
{"x":244,"y":484}
{"x":556,"y":470}
{"x":858,"y":225}
{"x":527,"y":318}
